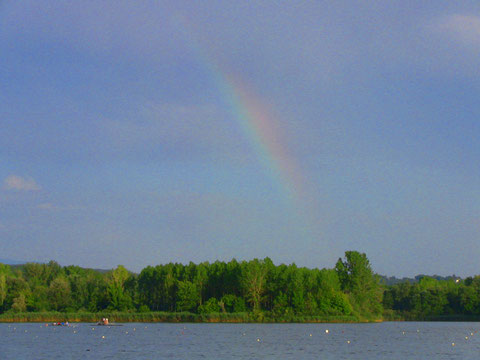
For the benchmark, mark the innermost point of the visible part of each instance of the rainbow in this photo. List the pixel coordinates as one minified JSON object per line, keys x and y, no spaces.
{"x":261,"y":129}
{"x":259,"y":125}
{"x":263,"y":132}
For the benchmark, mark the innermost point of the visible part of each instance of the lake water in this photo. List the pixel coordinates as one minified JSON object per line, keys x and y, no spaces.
{"x":389,"y":340}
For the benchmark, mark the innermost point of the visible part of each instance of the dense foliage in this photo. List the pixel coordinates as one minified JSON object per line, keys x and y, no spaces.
{"x":430,"y":298}
{"x":257,"y":288}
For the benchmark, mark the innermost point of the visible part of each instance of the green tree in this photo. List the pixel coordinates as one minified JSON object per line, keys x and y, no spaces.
{"x":118,"y":298}
{"x":357,"y":278}
{"x":4,"y":271}
{"x":469,"y":300}
{"x":39,"y":299}
{"x":59,"y":294}
{"x":281,"y":307}
{"x":169,"y":290}
{"x":210,"y":306}
{"x":79,"y":290}
{"x":15,"y":287}
{"x":3,"y":289}
{"x":295,"y":289}
{"x":188,"y":297}
{"x":200,"y":279}
{"x":19,"y":303}
{"x":41,"y":274}
{"x":227,"y":303}
{"x":254,"y":274}
{"x":149,"y":288}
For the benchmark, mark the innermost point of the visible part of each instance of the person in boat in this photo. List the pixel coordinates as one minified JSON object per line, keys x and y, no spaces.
{"x":103,"y":322}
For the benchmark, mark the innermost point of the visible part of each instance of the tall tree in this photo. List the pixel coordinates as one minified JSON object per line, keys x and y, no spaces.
{"x":59,"y":294}
{"x":187,"y":296}
{"x":254,"y":274}
{"x":357,"y":278}
{"x":200,"y":279}
{"x":4,"y":270}
{"x":118,"y":297}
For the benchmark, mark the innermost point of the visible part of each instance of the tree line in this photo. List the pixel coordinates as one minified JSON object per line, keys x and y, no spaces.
{"x":257,"y":287}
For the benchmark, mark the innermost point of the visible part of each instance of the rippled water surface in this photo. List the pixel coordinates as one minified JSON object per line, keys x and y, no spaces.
{"x":390,"y":340}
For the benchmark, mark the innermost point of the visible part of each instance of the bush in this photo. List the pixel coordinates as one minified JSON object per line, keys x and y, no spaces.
{"x":211,"y":306}
{"x":143,"y":309}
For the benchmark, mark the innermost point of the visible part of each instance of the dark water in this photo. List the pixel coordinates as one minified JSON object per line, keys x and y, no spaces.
{"x":392,"y":340}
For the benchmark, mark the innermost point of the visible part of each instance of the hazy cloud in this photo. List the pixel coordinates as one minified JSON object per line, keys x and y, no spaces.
{"x":179,"y":130}
{"x":54,"y":207}
{"x":46,"y":206}
{"x":463,"y":28}
{"x":102,"y":28}
{"x":15,"y":182}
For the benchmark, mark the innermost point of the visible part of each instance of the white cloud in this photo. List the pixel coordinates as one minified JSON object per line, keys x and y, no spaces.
{"x":46,"y":206}
{"x":462,"y":28}
{"x":15,"y":182}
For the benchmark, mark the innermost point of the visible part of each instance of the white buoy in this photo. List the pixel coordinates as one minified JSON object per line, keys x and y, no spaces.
{"x":310,"y":334}
{"x":103,"y":336}
{"x":258,"y":340}
{"x":326,"y":331}
{"x":348,"y":341}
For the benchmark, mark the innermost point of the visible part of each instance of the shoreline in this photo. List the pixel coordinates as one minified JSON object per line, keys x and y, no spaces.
{"x":184,"y":317}
{"x":163,"y":317}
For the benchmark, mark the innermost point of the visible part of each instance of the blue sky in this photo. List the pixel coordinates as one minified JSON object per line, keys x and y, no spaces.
{"x":117,"y":145}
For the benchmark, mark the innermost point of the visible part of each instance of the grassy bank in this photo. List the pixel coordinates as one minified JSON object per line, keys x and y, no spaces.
{"x":392,"y":316}
{"x":178,"y":317}
{"x":171,"y":317}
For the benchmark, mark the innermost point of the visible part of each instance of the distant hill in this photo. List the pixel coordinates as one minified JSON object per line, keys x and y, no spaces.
{"x":387,"y":280}
{"x":18,"y":264}
{"x":392,"y":280}
{"x":11,"y":261}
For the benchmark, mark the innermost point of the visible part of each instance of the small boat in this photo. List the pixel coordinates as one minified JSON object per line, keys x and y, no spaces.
{"x":58,"y":324}
{"x":105,"y":322}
